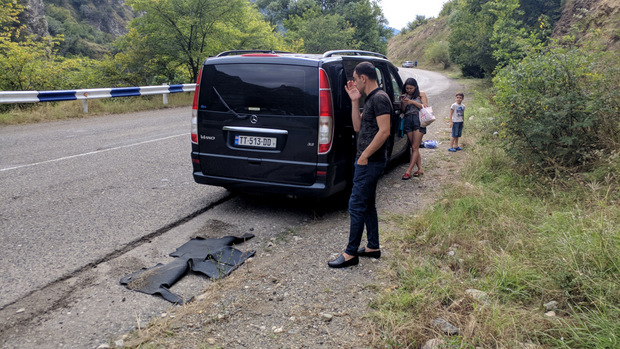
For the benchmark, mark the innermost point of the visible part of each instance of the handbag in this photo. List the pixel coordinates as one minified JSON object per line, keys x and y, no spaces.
{"x":426,"y":116}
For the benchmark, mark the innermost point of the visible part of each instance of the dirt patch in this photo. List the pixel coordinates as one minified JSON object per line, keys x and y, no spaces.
{"x":287,"y":296}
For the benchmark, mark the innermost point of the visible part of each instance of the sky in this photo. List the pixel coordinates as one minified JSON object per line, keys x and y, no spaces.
{"x":400,"y":12}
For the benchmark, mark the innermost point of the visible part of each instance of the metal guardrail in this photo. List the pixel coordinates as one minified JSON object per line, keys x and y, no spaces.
{"x":11,"y":97}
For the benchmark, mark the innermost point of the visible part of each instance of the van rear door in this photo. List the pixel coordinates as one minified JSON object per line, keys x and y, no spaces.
{"x":259,"y":121}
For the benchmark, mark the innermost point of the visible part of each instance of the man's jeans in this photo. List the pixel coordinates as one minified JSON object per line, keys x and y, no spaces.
{"x":362,"y":206}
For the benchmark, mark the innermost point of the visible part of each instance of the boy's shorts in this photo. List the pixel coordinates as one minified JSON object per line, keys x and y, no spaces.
{"x":457,"y":129}
{"x":412,"y":123}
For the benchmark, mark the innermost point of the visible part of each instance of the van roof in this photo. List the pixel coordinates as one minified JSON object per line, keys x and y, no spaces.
{"x":302,"y":55}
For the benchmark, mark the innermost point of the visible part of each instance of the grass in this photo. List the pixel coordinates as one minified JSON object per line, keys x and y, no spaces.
{"x":49,"y":111}
{"x":522,"y":240}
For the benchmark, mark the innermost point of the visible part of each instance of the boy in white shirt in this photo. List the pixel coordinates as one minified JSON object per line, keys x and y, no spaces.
{"x":457,"y":119}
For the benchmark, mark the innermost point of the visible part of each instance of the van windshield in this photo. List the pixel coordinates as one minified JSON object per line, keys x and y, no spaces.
{"x":260,"y":89}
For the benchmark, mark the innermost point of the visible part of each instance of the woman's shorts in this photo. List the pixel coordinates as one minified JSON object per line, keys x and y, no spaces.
{"x":457,"y":129}
{"x":412,"y":123}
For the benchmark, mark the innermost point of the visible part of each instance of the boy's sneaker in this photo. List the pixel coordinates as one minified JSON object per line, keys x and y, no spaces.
{"x":459,"y":148}
{"x":452,"y":149}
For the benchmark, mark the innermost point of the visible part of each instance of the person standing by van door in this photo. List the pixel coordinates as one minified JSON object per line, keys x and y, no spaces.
{"x":412,"y":101}
{"x":373,"y":127}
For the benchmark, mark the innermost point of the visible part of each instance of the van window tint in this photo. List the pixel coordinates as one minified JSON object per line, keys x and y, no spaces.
{"x":260,"y":89}
{"x":395,"y":87}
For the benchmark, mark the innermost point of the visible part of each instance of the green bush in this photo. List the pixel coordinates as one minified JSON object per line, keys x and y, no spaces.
{"x":559,"y":109}
{"x":439,"y":53}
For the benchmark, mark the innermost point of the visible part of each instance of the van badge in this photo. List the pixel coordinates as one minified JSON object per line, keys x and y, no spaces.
{"x":253,"y":119}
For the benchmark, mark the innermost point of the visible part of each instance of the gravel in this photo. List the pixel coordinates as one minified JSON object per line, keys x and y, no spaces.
{"x":286,"y":296}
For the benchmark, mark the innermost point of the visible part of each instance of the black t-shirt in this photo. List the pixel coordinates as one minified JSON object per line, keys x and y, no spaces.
{"x":377,"y":103}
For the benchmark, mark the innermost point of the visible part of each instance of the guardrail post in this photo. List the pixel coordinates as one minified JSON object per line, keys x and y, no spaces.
{"x":165,"y":96}
{"x":85,"y":106}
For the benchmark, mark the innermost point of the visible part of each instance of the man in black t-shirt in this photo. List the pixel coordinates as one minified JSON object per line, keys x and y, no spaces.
{"x":374,"y":129}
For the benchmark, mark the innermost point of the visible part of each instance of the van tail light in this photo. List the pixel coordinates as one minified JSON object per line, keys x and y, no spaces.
{"x":195,"y":110}
{"x":326,"y":114}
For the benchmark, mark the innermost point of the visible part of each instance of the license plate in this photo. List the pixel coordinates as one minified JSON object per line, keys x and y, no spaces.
{"x":253,"y":141}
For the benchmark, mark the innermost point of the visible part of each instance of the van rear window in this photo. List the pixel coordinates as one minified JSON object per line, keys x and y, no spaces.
{"x":260,"y":89}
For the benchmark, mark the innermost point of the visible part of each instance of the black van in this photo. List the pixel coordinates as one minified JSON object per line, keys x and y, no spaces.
{"x":276,"y":122}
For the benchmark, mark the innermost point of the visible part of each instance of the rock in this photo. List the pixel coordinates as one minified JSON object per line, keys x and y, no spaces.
{"x":479,"y":295}
{"x":211,"y":341}
{"x":278,"y":330}
{"x":450,"y":253}
{"x":326,"y":316}
{"x":550,"y":313}
{"x":553,"y":305}
{"x":104,"y":346}
{"x":20,"y":310}
{"x":446,"y":327}
{"x":36,"y":22}
{"x":434,"y":343}
{"x":119,"y":343}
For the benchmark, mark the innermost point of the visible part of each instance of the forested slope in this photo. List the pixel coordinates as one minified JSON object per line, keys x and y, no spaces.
{"x":583,"y":18}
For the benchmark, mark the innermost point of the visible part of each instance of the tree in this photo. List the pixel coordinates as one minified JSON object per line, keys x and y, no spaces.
{"x":9,"y":10}
{"x":370,"y":31}
{"x":488,"y":34}
{"x":559,"y":108}
{"x":277,"y":11}
{"x":182,"y":33}
{"x":471,"y":27}
{"x":438,"y":52}
{"x":370,"y":26}
{"x":320,"y":33}
{"x":24,"y":62}
{"x":509,"y":38}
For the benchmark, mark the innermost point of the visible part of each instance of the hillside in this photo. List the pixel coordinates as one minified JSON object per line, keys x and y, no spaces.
{"x":600,"y":15}
{"x":582,"y":17}
{"x":411,"y":46}
{"x":88,"y":26}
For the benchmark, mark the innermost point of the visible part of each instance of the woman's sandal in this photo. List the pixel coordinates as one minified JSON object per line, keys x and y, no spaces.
{"x":406,"y":176}
{"x":417,"y":173}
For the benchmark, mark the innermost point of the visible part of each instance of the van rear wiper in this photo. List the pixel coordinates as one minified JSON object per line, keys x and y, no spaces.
{"x":229,"y":108}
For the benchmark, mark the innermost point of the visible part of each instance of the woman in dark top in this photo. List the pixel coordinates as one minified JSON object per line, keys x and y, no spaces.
{"x":412,"y":100}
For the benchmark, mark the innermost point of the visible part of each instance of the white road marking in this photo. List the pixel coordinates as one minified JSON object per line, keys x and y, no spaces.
{"x":91,"y":153}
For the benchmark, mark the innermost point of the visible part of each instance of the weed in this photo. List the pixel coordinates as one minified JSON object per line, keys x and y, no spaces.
{"x":522,"y":239}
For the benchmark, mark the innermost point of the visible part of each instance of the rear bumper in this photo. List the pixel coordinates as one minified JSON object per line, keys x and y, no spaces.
{"x":333,"y":181}
{"x":317,"y":190}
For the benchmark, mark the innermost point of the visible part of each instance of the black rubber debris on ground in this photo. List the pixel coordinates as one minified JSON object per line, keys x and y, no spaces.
{"x":214,"y":258}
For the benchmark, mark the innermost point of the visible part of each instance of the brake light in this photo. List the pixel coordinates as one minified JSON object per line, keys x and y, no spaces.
{"x":326,"y":114}
{"x":194,"y":131}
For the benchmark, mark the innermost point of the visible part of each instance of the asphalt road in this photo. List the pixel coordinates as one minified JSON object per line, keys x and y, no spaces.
{"x":73,"y":192}
{"x":84,"y":202}
{"x":430,"y":82}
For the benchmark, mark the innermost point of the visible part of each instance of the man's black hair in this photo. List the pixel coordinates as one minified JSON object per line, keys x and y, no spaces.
{"x":366,"y":68}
